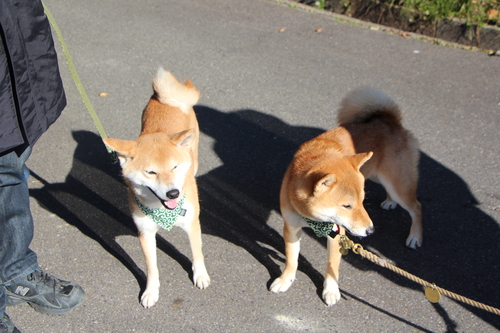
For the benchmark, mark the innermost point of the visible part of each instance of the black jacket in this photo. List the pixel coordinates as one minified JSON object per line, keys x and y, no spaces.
{"x":31,"y":91}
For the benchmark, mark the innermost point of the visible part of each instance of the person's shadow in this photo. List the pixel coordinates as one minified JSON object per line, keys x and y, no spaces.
{"x":460,"y":250}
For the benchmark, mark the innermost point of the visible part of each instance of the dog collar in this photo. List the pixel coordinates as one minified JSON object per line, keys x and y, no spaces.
{"x":164,"y":217}
{"x":322,"y":229}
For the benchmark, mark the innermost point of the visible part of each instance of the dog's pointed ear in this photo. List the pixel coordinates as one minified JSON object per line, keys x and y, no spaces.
{"x":324,"y":183}
{"x":123,"y":149}
{"x":183,"y":139}
{"x":359,"y":159}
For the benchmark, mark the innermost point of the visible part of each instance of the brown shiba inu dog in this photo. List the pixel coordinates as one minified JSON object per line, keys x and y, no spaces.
{"x":323,"y":187}
{"x":159,"y":169}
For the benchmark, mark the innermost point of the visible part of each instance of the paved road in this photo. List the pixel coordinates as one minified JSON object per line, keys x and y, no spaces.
{"x":264,"y":92}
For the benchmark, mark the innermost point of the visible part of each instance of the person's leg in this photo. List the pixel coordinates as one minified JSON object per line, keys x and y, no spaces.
{"x":16,"y":223}
{"x":16,"y":227}
{"x":21,"y":280}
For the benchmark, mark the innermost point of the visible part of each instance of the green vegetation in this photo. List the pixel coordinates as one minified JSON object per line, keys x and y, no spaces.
{"x":478,"y":12}
{"x":473,"y":11}
{"x":320,"y":4}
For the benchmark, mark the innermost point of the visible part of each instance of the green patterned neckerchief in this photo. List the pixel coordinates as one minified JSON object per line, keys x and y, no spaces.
{"x":164,"y":217}
{"x":322,"y":229}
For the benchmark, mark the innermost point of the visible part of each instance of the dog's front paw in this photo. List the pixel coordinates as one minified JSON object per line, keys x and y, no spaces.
{"x":201,"y":280}
{"x":150,"y":297}
{"x":281,"y":284}
{"x":388,"y":205}
{"x":331,"y":292}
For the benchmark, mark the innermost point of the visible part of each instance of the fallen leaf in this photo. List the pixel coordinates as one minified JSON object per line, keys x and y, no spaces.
{"x":318,"y":30}
{"x":404,"y":34}
{"x":282,"y":30}
{"x":103,"y":94}
{"x":493,"y":14}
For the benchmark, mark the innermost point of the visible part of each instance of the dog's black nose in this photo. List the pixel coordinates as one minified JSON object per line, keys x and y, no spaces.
{"x":370,"y":230}
{"x":173,"y":194}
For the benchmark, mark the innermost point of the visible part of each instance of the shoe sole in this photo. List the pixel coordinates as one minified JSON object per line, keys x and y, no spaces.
{"x":44,"y":309}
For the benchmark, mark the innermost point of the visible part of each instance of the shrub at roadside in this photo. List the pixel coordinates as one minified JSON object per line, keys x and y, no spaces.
{"x":474,"y":12}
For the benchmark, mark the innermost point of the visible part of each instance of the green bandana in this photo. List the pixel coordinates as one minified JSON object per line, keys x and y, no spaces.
{"x":322,"y":229}
{"x":164,"y":217}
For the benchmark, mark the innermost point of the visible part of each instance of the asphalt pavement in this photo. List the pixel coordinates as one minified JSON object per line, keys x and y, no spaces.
{"x":271,"y":77}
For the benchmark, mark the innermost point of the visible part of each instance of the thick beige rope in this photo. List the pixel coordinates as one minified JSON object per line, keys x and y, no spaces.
{"x":346,"y":243}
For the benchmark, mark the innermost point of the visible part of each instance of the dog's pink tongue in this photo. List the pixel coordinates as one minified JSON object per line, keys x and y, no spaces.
{"x":171,"y":204}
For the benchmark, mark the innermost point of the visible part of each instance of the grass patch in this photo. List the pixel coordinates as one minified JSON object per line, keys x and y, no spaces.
{"x":474,"y":12}
{"x":478,"y":12}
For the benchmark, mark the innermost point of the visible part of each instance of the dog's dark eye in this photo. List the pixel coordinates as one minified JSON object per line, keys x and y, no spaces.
{"x":151,"y":172}
{"x":175,"y":167}
{"x":347,"y":206}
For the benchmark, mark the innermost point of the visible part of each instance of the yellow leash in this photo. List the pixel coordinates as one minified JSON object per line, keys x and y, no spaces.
{"x":76,"y":79}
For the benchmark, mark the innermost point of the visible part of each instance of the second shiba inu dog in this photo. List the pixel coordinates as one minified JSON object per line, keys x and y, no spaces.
{"x":323,"y":187}
{"x":159,"y":169}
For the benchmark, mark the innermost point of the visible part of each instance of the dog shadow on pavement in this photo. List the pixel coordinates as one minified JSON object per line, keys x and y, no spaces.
{"x":238,"y":197}
{"x":93,"y":198}
{"x":460,"y":249}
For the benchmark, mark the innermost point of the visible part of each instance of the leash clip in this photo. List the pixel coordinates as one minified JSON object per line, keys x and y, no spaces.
{"x":345,"y":244}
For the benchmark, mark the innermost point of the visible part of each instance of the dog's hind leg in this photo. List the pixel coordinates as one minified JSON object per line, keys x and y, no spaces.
{"x":414,"y":239}
{"x":403,"y":191}
{"x":389,"y":203}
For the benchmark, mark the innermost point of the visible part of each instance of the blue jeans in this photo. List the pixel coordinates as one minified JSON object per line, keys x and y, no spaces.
{"x":16,"y":224}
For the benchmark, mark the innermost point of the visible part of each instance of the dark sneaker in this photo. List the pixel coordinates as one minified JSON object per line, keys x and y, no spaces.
{"x":45,"y":293}
{"x":6,"y":325}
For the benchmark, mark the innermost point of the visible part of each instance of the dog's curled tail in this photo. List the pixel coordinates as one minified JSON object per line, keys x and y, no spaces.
{"x":364,"y":104}
{"x":168,"y":90}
